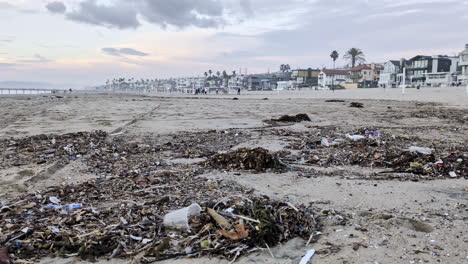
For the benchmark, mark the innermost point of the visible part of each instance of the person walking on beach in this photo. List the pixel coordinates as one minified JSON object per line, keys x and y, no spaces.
{"x":238,"y":91}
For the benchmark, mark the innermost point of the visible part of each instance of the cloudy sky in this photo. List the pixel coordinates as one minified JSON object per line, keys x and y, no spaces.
{"x":86,"y":42}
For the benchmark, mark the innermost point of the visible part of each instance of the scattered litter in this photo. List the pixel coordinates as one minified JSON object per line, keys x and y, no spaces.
{"x":54,"y":200}
{"x":373,"y":133}
{"x":425,"y":151}
{"x":310,"y":253}
{"x":355,"y":137}
{"x":328,"y":143}
{"x":179,"y":219}
{"x":335,"y":101}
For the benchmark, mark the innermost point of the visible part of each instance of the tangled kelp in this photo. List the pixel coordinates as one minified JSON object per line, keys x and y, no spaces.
{"x":257,"y":159}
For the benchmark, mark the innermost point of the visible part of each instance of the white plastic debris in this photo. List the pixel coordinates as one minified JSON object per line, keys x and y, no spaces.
{"x":327,"y":143}
{"x":179,"y":219}
{"x":54,"y":200}
{"x":453,"y":174}
{"x":310,"y":253}
{"x":426,"y":151}
{"x":136,"y":238}
{"x":355,"y":137}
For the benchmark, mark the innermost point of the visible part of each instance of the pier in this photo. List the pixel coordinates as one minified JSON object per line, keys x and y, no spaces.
{"x":29,"y":91}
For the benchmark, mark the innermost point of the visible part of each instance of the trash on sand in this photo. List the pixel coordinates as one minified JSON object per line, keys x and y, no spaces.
{"x":257,"y":159}
{"x":67,"y":207}
{"x":327,"y":143}
{"x":373,"y":133}
{"x":179,"y":219}
{"x":239,"y":234}
{"x":335,"y":101}
{"x":54,"y":200}
{"x":355,"y":137}
{"x":453,"y":174}
{"x":310,"y":253}
{"x":296,"y":119}
{"x":218,"y":218}
{"x":425,"y":151}
{"x":356,"y":105}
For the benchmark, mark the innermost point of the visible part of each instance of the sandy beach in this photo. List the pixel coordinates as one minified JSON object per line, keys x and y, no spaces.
{"x":383,"y":214}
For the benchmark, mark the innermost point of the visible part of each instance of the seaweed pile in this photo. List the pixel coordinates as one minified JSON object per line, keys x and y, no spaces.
{"x":118,"y":218}
{"x":257,"y":159}
{"x":373,"y":149}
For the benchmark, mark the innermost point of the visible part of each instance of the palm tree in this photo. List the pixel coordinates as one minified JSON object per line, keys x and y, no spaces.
{"x":285,"y":67}
{"x":355,"y":55}
{"x":210,"y":72}
{"x":206,"y":74}
{"x":334,"y":55}
{"x":234,"y":74}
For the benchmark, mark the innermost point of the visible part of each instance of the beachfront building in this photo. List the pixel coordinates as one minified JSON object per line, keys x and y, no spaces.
{"x":306,"y":77}
{"x":463,"y":63}
{"x":388,"y":76}
{"x":327,"y":78}
{"x":366,"y":75}
{"x":432,"y":70}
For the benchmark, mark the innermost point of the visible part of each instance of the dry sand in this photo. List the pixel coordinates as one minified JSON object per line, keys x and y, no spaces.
{"x":440,"y":203}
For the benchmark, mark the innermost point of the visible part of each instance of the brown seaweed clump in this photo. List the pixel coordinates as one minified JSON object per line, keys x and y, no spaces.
{"x":257,"y":159}
{"x":296,"y":119}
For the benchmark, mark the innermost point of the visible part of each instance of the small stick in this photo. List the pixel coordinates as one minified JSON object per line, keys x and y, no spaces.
{"x":271,"y":253}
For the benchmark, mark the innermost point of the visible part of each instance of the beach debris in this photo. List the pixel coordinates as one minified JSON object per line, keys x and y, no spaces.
{"x":355,"y":137}
{"x":258,"y":159}
{"x":328,"y":143}
{"x":179,"y":219}
{"x":373,"y":133}
{"x":335,"y":101}
{"x":425,"y":151}
{"x":219,"y":219}
{"x":234,"y":223}
{"x":4,"y":257}
{"x":308,"y":256}
{"x":239,"y":234}
{"x":296,"y":119}
{"x":356,"y":105}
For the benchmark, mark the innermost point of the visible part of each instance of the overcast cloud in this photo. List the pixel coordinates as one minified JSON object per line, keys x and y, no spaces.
{"x":123,"y":51}
{"x":169,"y":38}
{"x":124,"y":14}
{"x":56,"y":7}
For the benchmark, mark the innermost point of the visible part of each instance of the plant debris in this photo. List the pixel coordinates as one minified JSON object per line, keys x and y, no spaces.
{"x":335,"y":101}
{"x":257,"y":159}
{"x":112,"y":227}
{"x":296,"y":119}
{"x":356,"y":105}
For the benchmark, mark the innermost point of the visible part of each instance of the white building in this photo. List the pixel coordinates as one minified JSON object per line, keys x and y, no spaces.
{"x":332,"y":77}
{"x":463,"y":63}
{"x":388,"y":77}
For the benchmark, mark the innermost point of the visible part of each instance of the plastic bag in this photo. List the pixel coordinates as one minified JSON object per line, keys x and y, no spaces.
{"x":179,"y":219}
{"x":355,"y":137}
{"x":327,"y":143}
{"x":426,"y":151}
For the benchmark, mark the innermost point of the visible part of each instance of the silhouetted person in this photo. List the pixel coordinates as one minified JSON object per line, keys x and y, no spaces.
{"x":238,"y":91}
